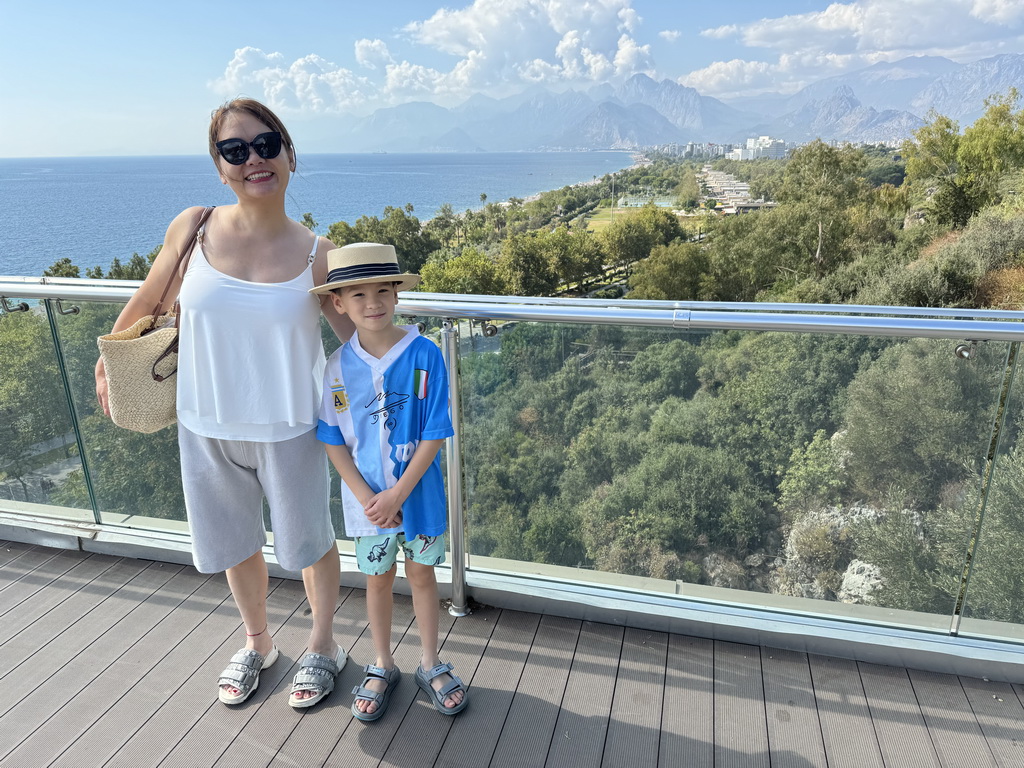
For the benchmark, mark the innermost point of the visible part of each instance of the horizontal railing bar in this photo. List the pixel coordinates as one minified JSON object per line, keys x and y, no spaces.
{"x":741,"y":306}
{"x":635,"y":313}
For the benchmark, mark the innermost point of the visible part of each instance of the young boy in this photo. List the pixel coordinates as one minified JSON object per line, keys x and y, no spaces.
{"x":383,"y":418}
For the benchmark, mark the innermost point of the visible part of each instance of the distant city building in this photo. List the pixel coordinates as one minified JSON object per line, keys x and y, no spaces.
{"x":761,"y":146}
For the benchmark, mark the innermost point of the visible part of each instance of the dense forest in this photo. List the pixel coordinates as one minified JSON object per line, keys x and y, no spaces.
{"x":827,"y":467}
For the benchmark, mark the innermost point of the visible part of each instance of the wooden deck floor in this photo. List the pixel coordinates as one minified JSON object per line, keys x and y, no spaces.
{"x":108,"y":661}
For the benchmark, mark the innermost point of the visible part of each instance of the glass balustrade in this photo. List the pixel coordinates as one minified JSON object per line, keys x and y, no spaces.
{"x":841,"y":474}
{"x":38,"y":452}
{"x":994,"y":598}
{"x":809,"y":472}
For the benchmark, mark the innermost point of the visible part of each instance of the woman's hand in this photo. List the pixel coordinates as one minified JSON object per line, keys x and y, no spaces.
{"x":101,"y":387}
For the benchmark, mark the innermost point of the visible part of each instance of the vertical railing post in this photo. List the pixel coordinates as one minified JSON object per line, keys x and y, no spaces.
{"x":456,"y":529}
{"x":58,"y":347}
{"x":986,"y":485}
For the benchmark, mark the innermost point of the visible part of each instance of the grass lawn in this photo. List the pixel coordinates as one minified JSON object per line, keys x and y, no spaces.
{"x":602,"y":217}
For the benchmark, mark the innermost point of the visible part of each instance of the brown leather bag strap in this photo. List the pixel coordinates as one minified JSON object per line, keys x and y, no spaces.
{"x":183,"y":255}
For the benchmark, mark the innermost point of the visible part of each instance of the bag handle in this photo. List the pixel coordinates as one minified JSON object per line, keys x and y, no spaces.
{"x":186,"y":252}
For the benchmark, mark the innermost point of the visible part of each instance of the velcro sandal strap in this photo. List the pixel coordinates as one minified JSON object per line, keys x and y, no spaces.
{"x":318,"y":664}
{"x":374,"y":671}
{"x":440,"y":669}
{"x":453,"y":685}
{"x":242,"y":670}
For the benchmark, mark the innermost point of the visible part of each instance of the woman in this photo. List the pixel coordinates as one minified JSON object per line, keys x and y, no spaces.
{"x":249,"y":371}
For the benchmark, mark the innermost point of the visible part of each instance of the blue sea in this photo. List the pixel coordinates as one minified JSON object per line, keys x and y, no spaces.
{"x":94,"y":209}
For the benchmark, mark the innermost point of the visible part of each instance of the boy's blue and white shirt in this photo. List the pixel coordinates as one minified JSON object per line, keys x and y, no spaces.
{"x":381,"y":409}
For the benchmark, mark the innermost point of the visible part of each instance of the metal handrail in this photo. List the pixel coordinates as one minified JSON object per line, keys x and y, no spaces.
{"x":995,"y":325}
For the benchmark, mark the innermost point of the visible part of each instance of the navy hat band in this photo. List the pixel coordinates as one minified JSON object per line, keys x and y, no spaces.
{"x":362,"y":271}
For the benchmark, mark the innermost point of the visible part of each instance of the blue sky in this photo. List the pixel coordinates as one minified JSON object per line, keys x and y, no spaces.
{"x":112,"y":77}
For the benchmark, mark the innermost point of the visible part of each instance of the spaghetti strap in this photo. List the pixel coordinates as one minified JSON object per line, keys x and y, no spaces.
{"x":312,"y":253}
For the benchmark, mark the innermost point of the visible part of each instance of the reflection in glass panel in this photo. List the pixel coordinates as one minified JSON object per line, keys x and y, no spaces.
{"x":135,"y":477}
{"x":806,"y":467}
{"x":995,"y":594}
{"x":38,"y":453}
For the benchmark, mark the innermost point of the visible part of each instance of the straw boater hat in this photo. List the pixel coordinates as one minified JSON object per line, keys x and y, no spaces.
{"x":364,"y":263}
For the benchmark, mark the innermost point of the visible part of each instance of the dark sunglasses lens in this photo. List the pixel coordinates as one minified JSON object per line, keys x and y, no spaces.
{"x":267,"y":145}
{"x":235,"y":151}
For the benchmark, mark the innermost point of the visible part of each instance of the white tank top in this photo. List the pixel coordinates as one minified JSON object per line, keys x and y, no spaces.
{"x":250,"y":364}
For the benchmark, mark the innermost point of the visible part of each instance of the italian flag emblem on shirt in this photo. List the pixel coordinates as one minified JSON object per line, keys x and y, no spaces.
{"x":419,"y":380}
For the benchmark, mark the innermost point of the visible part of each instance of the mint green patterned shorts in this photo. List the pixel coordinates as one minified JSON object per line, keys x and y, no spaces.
{"x":377,"y":555}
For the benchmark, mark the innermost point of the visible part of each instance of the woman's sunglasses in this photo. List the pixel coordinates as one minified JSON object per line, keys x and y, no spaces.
{"x":236,"y":151}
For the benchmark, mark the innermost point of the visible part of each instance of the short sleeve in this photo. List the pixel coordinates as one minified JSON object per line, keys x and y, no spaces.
{"x":437,"y":422}
{"x":333,"y":402}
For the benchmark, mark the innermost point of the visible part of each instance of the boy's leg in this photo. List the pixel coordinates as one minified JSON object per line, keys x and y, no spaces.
{"x":425,"y":605}
{"x":379,"y":608}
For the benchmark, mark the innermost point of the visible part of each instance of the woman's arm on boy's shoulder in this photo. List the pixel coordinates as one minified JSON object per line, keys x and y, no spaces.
{"x":341,"y":324}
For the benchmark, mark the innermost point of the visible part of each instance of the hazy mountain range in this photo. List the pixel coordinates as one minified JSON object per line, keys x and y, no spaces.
{"x":884,"y":102}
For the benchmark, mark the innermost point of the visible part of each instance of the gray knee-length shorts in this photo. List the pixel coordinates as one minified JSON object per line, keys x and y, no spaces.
{"x":225,"y":482}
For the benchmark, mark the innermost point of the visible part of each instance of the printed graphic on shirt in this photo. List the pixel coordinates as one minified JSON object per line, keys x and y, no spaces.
{"x":419,"y":378}
{"x":393,"y":402}
{"x":340,"y":397}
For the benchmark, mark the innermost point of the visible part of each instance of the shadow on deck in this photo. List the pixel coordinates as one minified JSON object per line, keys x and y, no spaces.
{"x":108,"y":661}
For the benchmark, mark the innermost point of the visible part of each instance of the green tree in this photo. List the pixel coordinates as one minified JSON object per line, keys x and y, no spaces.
{"x":819,"y":185}
{"x":470,"y":272}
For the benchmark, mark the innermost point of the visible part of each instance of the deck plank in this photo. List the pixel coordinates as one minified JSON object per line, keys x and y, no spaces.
{"x":1000,"y":714}
{"x":474,"y":734}
{"x":635,"y":726}
{"x":794,"y":730}
{"x":846,"y":726}
{"x":741,"y":729}
{"x":688,"y":716}
{"x":582,"y":726}
{"x":319,"y":728}
{"x":27,"y":561}
{"x":530,"y":721}
{"x":23,"y":615}
{"x":954,"y":729}
{"x":899,"y":724}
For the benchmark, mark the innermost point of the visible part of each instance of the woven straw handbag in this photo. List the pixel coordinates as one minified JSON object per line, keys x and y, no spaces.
{"x":141,"y":362}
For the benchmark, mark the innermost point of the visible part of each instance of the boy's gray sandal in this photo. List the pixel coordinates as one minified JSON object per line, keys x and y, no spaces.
{"x":423,"y":678}
{"x":316,"y":673}
{"x":381,"y":699}
{"x":243,"y":673}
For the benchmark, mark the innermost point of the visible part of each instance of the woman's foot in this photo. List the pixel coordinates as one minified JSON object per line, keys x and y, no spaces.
{"x":263,"y":644}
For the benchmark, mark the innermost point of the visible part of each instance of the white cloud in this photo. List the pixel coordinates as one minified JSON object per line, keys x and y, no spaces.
{"x":851,"y":35}
{"x":559,"y":42}
{"x":631,"y":58}
{"x":1000,"y":11}
{"x":720,"y":33}
{"x":308,"y":84}
{"x":669,"y":34}
{"x":372,"y":54}
{"x":727,"y":78}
